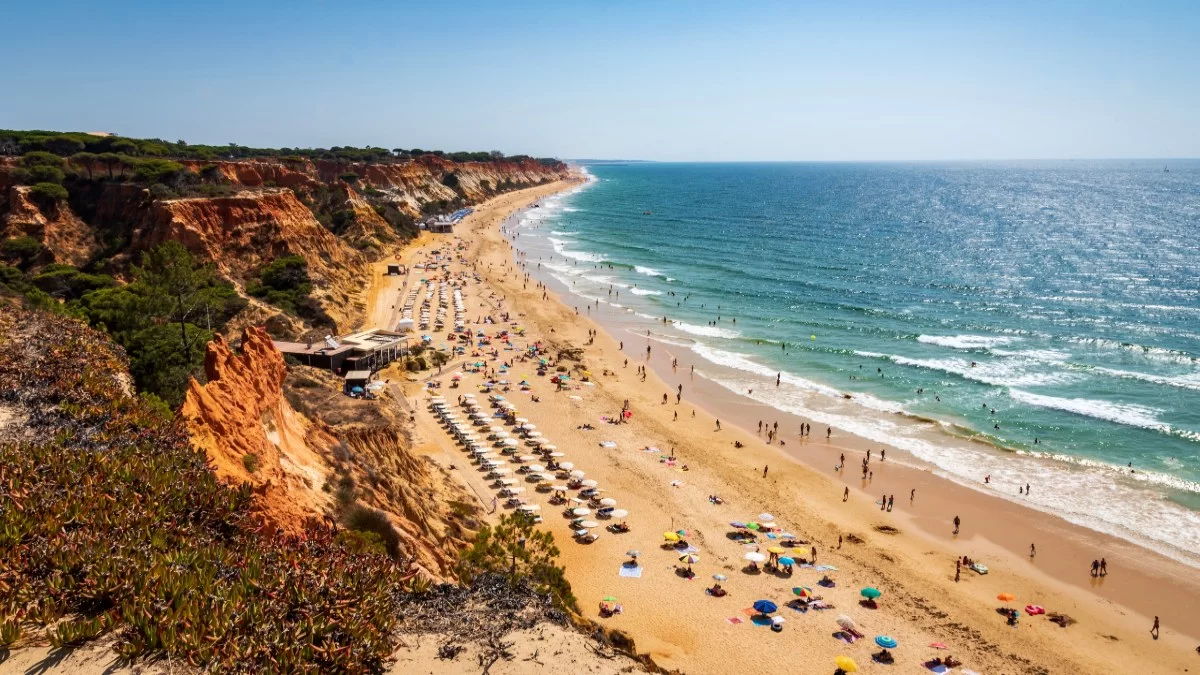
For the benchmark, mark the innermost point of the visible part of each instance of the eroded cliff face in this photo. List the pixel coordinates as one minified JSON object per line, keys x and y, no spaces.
{"x":240,"y":233}
{"x":300,"y":467}
{"x":269,"y":214}
{"x":66,"y":237}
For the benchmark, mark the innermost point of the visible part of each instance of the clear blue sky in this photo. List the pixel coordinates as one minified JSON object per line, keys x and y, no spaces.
{"x":730,"y":80}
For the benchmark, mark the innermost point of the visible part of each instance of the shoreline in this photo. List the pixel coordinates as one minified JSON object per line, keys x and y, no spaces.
{"x":802,"y":490}
{"x":938,"y":494}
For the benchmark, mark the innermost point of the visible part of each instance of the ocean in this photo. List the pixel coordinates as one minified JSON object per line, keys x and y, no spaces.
{"x":1035,"y":321}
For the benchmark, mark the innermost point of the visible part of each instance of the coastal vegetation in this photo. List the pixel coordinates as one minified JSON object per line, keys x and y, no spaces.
{"x":114,"y":524}
{"x":86,"y":147}
{"x":163,"y":318}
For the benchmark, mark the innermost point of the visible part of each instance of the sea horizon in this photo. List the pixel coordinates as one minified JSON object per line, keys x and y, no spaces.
{"x":1093,"y":391}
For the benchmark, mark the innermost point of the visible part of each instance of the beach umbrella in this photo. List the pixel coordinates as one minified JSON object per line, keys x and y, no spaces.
{"x":1006,"y":597}
{"x":720,"y":577}
{"x":765,"y":517}
{"x":764,"y":606}
{"x":846,"y":663}
{"x":870,"y":592}
{"x":633,"y":553}
{"x":577,"y":474}
{"x":738,"y":525}
{"x":536,"y":468}
{"x":886,"y":641}
{"x":608,"y":501}
{"x":510,"y":442}
{"x":802,"y":591}
{"x":775,"y":549}
{"x":501,"y":472}
{"x":555,"y":455}
{"x":577,"y":500}
{"x":589,"y":483}
{"x":619,"y":513}
{"x":846,"y":622}
{"x":527,"y":458}
{"x":549,"y":447}
{"x":753,"y":526}
{"x":671,"y":536}
{"x":529,"y":508}
{"x":786,"y":561}
{"x":508,"y":481}
{"x":581,"y":511}
{"x":566,"y":466}
{"x":588,"y":524}
{"x":689,"y":558}
{"x":521,"y":421}
{"x":516,"y":490}
{"x":559,"y":488}
{"x":755,"y":556}
{"x":533,"y":435}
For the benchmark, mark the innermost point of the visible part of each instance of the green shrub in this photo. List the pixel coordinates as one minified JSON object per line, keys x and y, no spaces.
{"x":517,"y":549}
{"x":21,"y":250}
{"x":48,"y":195}
{"x":250,"y":461}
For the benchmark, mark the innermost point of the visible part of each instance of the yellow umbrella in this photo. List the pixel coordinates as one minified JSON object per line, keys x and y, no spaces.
{"x":671,"y":536}
{"x":775,"y":549}
{"x":846,"y":663}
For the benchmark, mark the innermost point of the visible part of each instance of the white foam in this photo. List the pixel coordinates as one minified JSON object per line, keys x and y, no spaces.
{"x":966,"y":341}
{"x":644,"y":291}
{"x":563,"y":233}
{"x":1122,"y":413}
{"x":648,"y":271}
{"x":1005,"y":373}
{"x":707,"y":331}
{"x":1186,"y":381}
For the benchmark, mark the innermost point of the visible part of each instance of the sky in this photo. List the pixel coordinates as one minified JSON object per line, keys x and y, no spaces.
{"x":840,"y":80}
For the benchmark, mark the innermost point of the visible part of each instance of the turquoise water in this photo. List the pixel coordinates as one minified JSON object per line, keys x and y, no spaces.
{"x":1057,"y":301}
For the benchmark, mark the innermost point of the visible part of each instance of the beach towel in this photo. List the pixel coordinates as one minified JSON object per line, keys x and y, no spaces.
{"x":733,"y":620}
{"x":573,"y":397}
{"x":608,"y":444}
{"x":631,"y":572}
{"x":979,"y":568}
{"x":825,"y":568}
{"x":771,"y":535}
{"x":803,"y":609}
{"x":689,"y":549}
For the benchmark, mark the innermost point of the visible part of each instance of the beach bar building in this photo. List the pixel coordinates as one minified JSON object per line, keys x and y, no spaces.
{"x":368,"y":350}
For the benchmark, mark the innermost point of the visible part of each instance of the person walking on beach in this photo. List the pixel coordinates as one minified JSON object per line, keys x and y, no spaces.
{"x":1095,"y":568}
{"x":1103,"y":567}
{"x":1032,"y":550}
{"x":1154,"y":630}
{"x":957,"y":571}
{"x":777,"y":379}
{"x":882,"y":454}
{"x":957,"y":523}
{"x":912,"y":495}
{"x":718,"y":423}
{"x":828,"y":432}
{"x":846,"y":496}
{"x":765,"y":471}
{"x":883,"y":503}
{"x":891,"y":501}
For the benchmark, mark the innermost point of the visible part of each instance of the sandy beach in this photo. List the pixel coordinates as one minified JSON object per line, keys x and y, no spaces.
{"x":908,"y":553}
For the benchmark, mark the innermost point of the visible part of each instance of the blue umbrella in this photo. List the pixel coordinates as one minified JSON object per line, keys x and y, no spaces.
{"x":356,"y":390}
{"x":885,"y":641}
{"x":764,"y":606}
{"x":738,"y":525}
{"x":786,"y":561}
